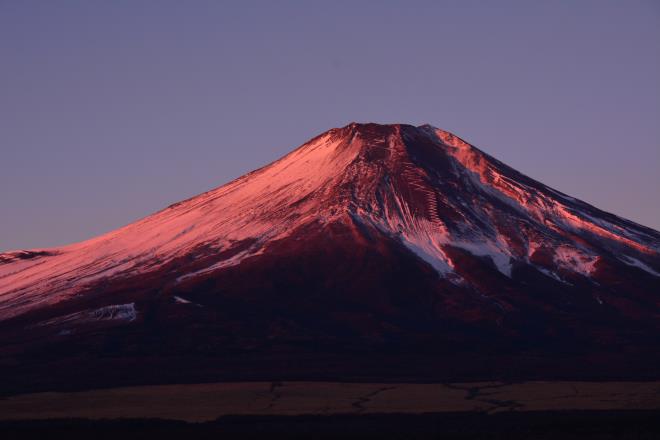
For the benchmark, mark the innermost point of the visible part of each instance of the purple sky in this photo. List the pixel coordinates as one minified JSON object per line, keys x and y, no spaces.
{"x":112,"y":110}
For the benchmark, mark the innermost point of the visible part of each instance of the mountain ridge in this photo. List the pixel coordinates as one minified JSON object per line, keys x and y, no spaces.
{"x":366,"y":237}
{"x":384,"y":155}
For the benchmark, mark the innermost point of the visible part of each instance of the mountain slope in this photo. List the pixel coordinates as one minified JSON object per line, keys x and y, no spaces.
{"x":368,"y":237}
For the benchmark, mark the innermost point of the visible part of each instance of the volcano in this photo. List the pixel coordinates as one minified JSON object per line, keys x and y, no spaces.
{"x":388,"y":252}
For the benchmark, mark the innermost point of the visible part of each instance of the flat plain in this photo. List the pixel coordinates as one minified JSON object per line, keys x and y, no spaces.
{"x":207,"y":402}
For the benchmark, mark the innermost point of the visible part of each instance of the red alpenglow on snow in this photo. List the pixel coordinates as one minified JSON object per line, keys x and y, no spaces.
{"x":368,"y":238}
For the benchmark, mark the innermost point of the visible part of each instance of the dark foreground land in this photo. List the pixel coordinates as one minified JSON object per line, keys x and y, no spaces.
{"x":601,"y":425}
{"x":197,"y":403}
{"x":469,"y":410}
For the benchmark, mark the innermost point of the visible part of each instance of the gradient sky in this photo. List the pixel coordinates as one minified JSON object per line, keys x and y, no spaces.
{"x":112,"y":110}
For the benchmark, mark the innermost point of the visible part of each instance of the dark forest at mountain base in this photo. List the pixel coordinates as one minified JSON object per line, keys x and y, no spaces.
{"x":76,"y":374}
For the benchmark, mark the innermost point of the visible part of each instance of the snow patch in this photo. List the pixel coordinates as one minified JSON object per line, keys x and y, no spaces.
{"x":495,"y":251}
{"x":123,"y":312}
{"x":551,"y":274}
{"x":117,"y":312}
{"x":430,"y":251}
{"x":635,"y":262}
{"x":575,"y":260}
{"x":232,"y":261}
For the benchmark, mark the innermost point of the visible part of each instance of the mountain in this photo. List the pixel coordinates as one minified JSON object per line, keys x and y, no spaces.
{"x":371,"y":251}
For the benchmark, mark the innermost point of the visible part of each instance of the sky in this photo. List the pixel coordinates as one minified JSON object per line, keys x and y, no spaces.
{"x":110,"y":111}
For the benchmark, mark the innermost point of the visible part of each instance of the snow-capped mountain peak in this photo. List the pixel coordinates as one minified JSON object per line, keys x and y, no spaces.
{"x":421,"y":186}
{"x":370,"y":251}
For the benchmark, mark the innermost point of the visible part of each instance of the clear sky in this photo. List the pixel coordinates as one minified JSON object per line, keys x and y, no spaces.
{"x":110,"y":110}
